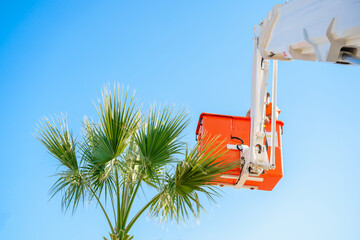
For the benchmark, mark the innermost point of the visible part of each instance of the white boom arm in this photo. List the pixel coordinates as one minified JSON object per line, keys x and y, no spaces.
{"x":322,"y":30}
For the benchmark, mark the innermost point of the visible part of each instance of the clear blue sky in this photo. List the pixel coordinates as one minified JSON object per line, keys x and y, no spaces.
{"x":56,"y":56}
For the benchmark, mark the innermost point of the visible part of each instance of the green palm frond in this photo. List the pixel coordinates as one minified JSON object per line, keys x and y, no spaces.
{"x":158,"y":140}
{"x":100,"y":177}
{"x":97,"y":172}
{"x":73,"y":187}
{"x":60,"y":143}
{"x":119,"y":119}
{"x":180,"y":196}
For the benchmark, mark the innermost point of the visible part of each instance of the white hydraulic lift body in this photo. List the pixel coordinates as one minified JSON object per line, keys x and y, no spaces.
{"x":312,"y":30}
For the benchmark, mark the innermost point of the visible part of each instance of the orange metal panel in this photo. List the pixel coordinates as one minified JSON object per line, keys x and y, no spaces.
{"x":226,"y":128}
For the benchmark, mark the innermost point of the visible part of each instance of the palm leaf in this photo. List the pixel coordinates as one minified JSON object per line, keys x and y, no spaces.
{"x":104,"y":142}
{"x":73,"y":188}
{"x":119,"y":119}
{"x":158,"y":140}
{"x":179,"y":197}
{"x":60,"y":143}
{"x":97,"y":172}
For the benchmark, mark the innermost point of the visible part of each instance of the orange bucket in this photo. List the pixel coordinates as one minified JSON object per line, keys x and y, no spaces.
{"x":230,"y":129}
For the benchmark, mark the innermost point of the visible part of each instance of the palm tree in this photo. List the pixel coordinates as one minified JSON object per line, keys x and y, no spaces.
{"x":126,"y":150}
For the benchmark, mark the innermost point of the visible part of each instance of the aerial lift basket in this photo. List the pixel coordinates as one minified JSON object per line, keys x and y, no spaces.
{"x":231,"y":131}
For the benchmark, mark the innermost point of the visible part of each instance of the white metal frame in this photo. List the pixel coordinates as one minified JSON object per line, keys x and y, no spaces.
{"x":274,"y":114}
{"x":256,"y":158}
